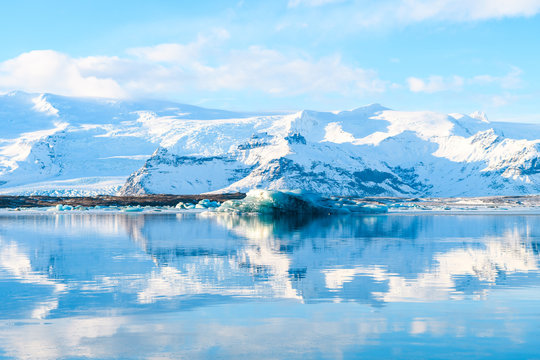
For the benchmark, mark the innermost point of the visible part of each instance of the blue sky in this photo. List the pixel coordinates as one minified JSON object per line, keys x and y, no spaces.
{"x":441,"y":55}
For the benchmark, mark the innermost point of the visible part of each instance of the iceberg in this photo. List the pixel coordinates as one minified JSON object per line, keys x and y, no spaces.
{"x":203,"y":204}
{"x":132,"y":209}
{"x":296,"y":202}
{"x":207,"y":204}
{"x":61,"y":207}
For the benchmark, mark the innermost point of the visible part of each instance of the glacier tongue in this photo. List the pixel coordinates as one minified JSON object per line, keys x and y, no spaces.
{"x":72,"y":146}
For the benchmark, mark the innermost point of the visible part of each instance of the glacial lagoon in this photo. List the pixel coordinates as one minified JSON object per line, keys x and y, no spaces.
{"x":209,"y":286}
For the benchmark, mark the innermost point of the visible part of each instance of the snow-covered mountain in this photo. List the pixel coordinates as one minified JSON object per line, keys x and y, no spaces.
{"x":70,"y":146}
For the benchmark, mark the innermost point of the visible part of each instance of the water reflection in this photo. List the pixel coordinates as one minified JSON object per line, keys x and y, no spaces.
{"x":376,"y":259}
{"x":119,"y":276}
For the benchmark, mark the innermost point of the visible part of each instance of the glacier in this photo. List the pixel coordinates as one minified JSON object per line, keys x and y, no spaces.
{"x":56,"y":145}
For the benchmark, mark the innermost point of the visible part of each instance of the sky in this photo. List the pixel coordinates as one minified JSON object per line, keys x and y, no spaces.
{"x":442,"y":55}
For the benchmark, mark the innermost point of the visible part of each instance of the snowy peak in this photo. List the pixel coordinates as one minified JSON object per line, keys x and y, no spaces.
{"x":369,"y":110}
{"x":480,"y":115}
{"x":42,"y":105}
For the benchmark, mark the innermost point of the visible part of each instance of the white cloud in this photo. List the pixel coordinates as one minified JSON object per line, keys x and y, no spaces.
{"x":47,"y":70}
{"x":295,"y":3}
{"x":167,"y":69}
{"x":180,"y":52}
{"x":463,"y":10}
{"x":435,"y":84}
{"x":273,"y":72}
{"x":402,"y":12}
{"x":512,"y":80}
{"x":502,"y":100}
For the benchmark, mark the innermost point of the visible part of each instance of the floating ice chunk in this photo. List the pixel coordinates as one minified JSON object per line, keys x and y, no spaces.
{"x":180,"y":205}
{"x":206,"y":203}
{"x":368,"y":208}
{"x":61,"y":207}
{"x":132,"y":209}
{"x":203,"y":204}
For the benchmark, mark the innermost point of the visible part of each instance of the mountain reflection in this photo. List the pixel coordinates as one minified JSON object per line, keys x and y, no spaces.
{"x":68,"y":261}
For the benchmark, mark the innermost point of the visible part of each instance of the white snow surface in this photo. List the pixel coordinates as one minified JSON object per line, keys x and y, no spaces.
{"x":58,"y":145}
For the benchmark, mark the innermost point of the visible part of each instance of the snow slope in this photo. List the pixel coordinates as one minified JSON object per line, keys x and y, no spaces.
{"x":59,"y":145}
{"x":69,"y":146}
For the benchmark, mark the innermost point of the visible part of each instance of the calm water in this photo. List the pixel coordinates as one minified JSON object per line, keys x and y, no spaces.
{"x":187,"y":286}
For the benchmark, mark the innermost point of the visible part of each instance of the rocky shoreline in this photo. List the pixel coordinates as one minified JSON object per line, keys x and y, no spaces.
{"x":164,"y":200}
{"x":8,"y":201}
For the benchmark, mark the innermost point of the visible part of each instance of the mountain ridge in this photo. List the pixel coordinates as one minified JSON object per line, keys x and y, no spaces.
{"x":56,"y":145}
